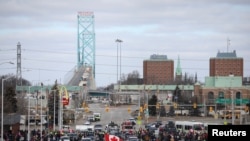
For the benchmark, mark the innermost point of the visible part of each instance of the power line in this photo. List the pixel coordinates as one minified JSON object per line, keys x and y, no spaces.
{"x":98,"y":65}
{"x":113,"y":65}
{"x":7,"y":49}
{"x":44,"y":60}
{"x":102,"y":55}
{"x":49,"y":51}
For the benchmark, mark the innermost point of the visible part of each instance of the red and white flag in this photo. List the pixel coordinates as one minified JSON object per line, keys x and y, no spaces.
{"x":112,"y":138}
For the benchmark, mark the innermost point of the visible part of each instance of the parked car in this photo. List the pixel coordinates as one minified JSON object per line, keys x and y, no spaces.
{"x":86,"y":139}
{"x":43,"y":122}
{"x":133,"y":138}
{"x":87,"y":123}
{"x":132,"y":120}
{"x":73,"y":136}
{"x":155,"y":124}
{"x":64,"y":138}
{"x":152,"y":124}
{"x":158,"y":123}
{"x":171,"y":123}
{"x":98,"y":127}
{"x":91,"y":118}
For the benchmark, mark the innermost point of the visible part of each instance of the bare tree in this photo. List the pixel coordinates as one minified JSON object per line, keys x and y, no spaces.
{"x":131,"y":79}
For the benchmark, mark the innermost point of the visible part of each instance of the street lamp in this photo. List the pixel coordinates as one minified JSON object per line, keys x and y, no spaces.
{"x":41,"y":108}
{"x":54,"y":116}
{"x":2,"y":107}
{"x":2,"y":100}
{"x":232,"y":98}
{"x":232,"y":106}
{"x":120,"y":64}
{"x":118,"y":41}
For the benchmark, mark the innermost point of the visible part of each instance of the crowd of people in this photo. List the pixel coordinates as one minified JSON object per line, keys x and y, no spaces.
{"x":143,"y":134}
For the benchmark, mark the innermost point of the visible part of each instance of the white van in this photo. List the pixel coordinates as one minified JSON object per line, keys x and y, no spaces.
{"x":209,"y":123}
{"x":186,"y":126}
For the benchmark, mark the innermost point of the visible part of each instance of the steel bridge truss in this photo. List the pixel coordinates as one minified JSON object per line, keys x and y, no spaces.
{"x":86,"y":40}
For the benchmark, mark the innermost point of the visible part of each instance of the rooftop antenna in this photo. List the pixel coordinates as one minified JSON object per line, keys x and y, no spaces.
{"x":228,"y":43}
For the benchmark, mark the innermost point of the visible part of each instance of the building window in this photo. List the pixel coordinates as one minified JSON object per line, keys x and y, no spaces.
{"x":221,"y":95}
{"x":210,"y":98}
{"x":238,"y":95}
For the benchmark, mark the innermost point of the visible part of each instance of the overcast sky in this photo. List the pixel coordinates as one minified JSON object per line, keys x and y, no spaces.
{"x":194,"y":30}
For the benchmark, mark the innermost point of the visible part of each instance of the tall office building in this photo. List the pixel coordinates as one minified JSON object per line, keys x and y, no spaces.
{"x":158,"y":70}
{"x":225,"y":64}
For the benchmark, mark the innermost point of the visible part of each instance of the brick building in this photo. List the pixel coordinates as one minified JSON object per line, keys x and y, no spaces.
{"x":158,"y":70}
{"x":226,"y":63}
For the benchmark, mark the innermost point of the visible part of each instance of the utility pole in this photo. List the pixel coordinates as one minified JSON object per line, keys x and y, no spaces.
{"x":41,"y":106}
{"x":232,"y":107}
{"x":19,"y":68}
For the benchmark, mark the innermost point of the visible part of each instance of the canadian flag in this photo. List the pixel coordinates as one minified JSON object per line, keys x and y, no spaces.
{"x":112,"y":138}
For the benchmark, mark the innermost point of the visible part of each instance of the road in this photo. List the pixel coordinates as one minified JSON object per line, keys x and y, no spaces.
{"x":116,"y":114}
{"x":120,"y":113}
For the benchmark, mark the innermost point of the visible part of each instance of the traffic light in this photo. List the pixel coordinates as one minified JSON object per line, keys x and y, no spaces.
{"x":145,"y":106}
{"x":107,"y":109}
{"x":157,"y":105}
{"x":129,"y":110}
{"x":86,"y":109}
{"x":175,"y":105}
{"x":84,"y":105}
{"x":246,"y":109}
{"x":194,"y":105}
{"x":141,"y":109}
{"x":210,"y":109}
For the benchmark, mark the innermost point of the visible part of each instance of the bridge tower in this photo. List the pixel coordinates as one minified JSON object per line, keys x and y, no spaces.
{"x":86,"y":40}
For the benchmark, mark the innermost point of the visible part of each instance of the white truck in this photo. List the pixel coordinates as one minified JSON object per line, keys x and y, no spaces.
{"x":182,"y":112}
{"x":23,"y":119}
{"x":97,"y":116}
{"x":84,"y":127}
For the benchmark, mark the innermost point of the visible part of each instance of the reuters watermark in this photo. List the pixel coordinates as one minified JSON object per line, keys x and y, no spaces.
{"x":228,"y":131}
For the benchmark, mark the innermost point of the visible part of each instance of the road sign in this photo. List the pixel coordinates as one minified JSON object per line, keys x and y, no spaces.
{"x":223,"y":100}
{"x":242,"y":101}
{"x":228,"y":101}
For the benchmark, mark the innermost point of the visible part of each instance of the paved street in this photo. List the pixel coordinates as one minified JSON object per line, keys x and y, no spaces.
{"x":119,"y":114}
